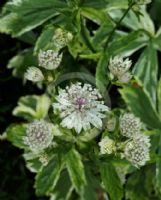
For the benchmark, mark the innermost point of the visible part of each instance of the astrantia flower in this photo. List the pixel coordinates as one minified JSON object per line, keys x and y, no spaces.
{"x":49,"y":59}
{"x":61,"y":38}
{"x":119,"y":68}
{"x":34,"y":74}
{"x":38,"y":135}
{"x":137,"y":150}
{"x":130,"y":125}
{"x":80,"y":106}
{"x":107,"y":146}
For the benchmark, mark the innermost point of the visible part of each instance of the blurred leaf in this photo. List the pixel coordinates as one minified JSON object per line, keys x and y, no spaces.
{"x":139,"y":103}
{"x":76,"y":169}
{"x":140,"y":185}
{"x":111,"y":181}
{"x":21,"y":62}
{"x":32,"y":107}
{"x":47,"y":178}
{"x":25,"y":15}
{"x":15,"y":134}
{"x":146,"y":71}
{"x":157,"y":40}
{"x":159,"y":96}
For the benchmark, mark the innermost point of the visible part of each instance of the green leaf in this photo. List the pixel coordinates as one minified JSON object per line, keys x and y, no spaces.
{"x":45,"y":39}
{"x":32,"y":107}
{"x":146,"y":71}
{"x":47,"y":178}
{"x":93,"y":186}
{"x":139,"y":103}
{"x":132,"y":21}
{"x":76,"y":169}
{"x":24,"y":16}
{"x":159,"y":96}
{"x":21,"y":62}
{"x":101,"y":73}
{"x":94,"y":4}
{"x":15,"y":134}
{"x":111,"y":181}
{"x":140,"y":185}
{"x":63,"y":188}
{"x":136,"y":40}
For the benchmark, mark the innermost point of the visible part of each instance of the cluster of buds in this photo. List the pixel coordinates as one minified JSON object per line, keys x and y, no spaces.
{"x":34,"y":74}
{"x":44,"y":159}
{"x":137,"y":146}
{"x":119,"y":69}
{"x":38,"y":135}
{"x":107,"y":146}
{"x":61,"y":38}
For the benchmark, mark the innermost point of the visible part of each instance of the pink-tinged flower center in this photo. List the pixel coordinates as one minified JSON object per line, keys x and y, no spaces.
{"x":80,"y":102}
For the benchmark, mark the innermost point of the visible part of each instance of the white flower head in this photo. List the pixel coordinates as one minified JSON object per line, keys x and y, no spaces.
{"x":80,"y":106}
{"x":34,"y":74}
{"x":61,"y":38}
{"x":49,"y":59}
{"x":137,"y":150}
{"x":38,"y":135}
{"x":119,"y":68}
{"x":107,"y":146}
{"x":130,"y":125}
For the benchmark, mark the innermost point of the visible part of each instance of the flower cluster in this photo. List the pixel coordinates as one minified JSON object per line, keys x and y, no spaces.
{"x":61,"y":38}
{"x":49,"y":59}
{"x":34,"y":74}
{"x":130,"y":125}
{"x":119,"y":68}
{"x":107,"y":146}
{"x":38,"y":135}
{"x":137,"y":150}
{"x":80,"y":106}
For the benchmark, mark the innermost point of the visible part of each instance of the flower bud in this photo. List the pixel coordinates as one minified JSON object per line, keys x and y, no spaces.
{"x":62,"y":38}
{"x":130,"y":125}
{"x":49,"y":59}
{"x":38,"y":135}
{"x":107,"y":146}
{"x":34,"y":74}
{"x":119,"y":68}
{"x":137,"y":150}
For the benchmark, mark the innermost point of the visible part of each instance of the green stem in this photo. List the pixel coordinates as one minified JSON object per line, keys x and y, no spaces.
{"x":116,"y":26}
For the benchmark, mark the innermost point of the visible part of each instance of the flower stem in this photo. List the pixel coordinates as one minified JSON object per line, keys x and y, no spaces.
{"x":117,"y":25}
